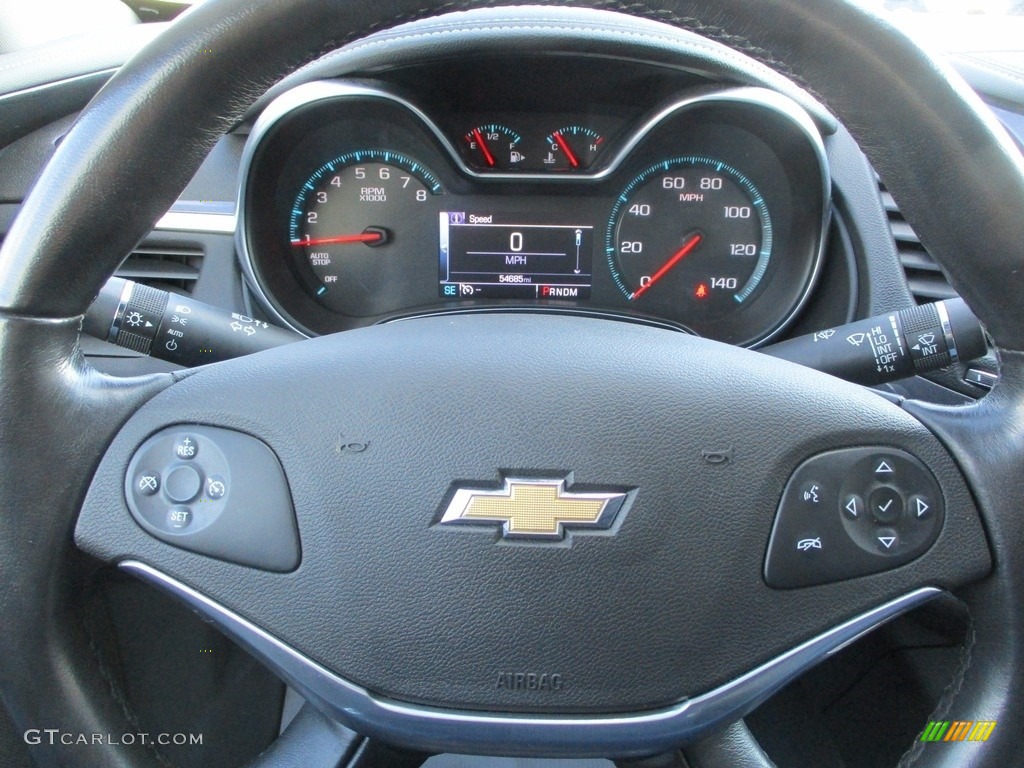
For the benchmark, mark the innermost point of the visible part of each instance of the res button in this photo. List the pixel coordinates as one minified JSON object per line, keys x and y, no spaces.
{"x":185,"y":447}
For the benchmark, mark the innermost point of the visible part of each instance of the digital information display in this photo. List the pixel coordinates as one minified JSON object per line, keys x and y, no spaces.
{"x":490,"y":255}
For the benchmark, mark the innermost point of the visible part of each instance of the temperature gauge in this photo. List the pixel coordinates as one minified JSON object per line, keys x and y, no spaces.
{"x":572,"y":148}
{"x":493,"y":147}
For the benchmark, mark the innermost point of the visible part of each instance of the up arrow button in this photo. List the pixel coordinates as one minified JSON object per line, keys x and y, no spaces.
{"x":884,"y":468}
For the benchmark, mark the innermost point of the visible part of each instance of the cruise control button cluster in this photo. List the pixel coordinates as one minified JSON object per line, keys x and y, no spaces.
{"x":216,"y":492}
{"x":171,"y":491}
{"x":853,"y":512}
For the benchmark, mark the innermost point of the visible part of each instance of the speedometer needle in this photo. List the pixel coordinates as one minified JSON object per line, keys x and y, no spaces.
{"x":691,"y":242}
{"x":370,"y":237}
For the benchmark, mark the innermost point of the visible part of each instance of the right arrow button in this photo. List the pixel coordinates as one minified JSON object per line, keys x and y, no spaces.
{"x":920,"y":506}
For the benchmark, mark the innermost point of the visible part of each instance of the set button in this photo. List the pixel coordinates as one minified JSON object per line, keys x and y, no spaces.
{"x":179,"y":518}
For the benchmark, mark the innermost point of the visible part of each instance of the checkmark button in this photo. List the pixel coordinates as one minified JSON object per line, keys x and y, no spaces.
{"x":886,"y":504}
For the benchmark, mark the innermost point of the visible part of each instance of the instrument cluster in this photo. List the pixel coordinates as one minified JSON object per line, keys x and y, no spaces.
{"x":703,"y":211}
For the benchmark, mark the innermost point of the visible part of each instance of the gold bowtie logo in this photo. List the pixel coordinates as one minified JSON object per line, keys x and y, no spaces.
{"x":535,"y":509}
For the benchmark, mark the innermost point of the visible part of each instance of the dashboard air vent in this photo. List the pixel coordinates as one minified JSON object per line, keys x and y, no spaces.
{"x":926,"y":280}
{"x":172,"y":268}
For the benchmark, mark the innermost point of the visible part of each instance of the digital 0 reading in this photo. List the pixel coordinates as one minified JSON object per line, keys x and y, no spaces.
{"x":490,"y":255}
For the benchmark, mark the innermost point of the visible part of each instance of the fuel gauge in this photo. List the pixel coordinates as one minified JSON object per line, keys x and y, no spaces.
{"x":572,"y":148}
{"x":493,"y":147}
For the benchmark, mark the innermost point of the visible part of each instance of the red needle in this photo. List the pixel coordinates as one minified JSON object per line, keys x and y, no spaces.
{"x":568,"y":152}
{"x":363,"y":237}
{"x":688,"y":246}
{"x":483,"y":147}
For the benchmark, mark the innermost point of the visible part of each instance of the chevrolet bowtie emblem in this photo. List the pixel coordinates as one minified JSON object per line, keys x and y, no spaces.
{"x":535,"y":509}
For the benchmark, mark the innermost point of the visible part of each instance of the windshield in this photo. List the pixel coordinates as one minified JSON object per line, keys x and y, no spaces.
{"x":901,"y":8}
{"x":992,"y":29}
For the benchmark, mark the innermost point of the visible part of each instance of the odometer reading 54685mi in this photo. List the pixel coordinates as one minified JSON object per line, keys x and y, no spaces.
{"x":491,"y":255}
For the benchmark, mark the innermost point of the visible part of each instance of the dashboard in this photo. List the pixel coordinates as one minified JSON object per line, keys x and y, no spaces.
{"x":565,"y":184}
{"x":584,"y":174}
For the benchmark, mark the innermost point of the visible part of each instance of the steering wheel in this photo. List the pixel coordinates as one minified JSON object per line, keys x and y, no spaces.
{"x":652,"y":633}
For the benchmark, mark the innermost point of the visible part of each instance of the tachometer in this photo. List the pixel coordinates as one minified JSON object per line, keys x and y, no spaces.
{"x":350,"y":219}
{"x":689,"y":237}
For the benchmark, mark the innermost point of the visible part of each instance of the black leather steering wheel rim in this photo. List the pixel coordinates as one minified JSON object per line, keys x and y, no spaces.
{"x":921,"y":128}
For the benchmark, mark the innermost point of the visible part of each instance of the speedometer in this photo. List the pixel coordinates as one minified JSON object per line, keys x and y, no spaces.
{"x":690,"y":237}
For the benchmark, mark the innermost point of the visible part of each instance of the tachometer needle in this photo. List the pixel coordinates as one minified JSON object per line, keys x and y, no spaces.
{"x":488,"y":157}
{"x":369,"y":236}
{"x":565,"y":148}
{"x":692,"y":241}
